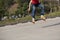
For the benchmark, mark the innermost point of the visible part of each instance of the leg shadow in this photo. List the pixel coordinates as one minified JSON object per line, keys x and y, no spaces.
{"x":51,"y":25}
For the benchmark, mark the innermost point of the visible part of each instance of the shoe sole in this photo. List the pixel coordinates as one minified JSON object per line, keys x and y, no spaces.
{"x":43,"y":19}
{"x":33,"y":22}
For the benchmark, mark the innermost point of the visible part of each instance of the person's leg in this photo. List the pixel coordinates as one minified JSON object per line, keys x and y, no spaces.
{"x":42,"y":8}
{"x":33,"y":13}
{"x":42,"y":11}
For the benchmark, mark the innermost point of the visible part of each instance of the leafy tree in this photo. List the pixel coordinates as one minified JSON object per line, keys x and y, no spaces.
{"x":4,"y":5}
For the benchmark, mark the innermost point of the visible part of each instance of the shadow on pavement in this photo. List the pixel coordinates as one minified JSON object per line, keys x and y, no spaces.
{"x":51,"y":25}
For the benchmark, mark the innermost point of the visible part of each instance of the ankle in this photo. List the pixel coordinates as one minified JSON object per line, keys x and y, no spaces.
{"x":33,"y":19}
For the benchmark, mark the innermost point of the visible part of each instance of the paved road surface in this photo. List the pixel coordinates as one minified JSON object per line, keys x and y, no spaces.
{"x":49,"y":30}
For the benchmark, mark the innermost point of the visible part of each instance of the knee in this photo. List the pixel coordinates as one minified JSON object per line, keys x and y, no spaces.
{"x":42,"y":7}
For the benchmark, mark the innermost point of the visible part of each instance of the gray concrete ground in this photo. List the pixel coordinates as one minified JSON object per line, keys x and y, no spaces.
{"x":49,"y":30}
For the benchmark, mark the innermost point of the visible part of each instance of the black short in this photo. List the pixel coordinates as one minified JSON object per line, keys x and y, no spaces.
{"x":36,"y":5}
